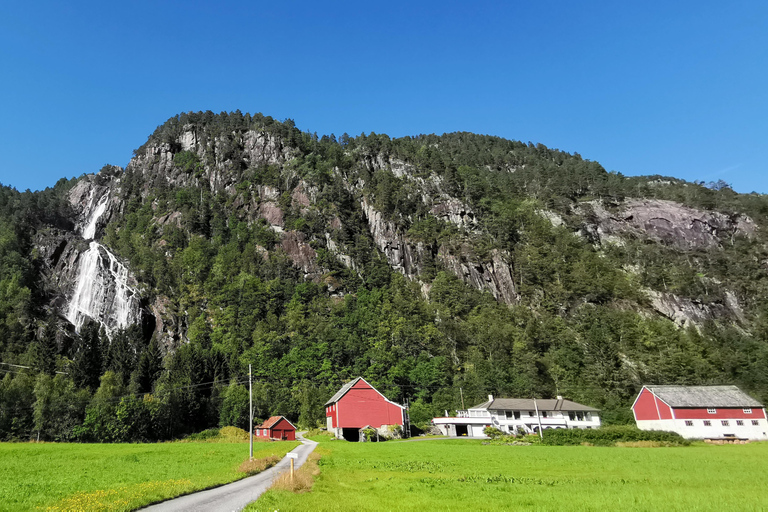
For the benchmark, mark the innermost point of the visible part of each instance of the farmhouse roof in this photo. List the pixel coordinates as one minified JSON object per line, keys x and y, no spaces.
{"x":274,"y":420}
{"x":343,"y":391}
{"x":526,"y":404}
{"x":703,"y":396}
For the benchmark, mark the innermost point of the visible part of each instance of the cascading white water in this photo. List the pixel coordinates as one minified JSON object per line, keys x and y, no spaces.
{"x":89,"y":230}
{"x":102,"y":292}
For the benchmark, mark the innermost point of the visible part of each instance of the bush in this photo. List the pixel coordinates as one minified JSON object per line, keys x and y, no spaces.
{"x":493,"y":432}
{"x":234,"y":434}
{"x":318,"y":432}
{"x":205,"y":435}
{"x":609,"y":436}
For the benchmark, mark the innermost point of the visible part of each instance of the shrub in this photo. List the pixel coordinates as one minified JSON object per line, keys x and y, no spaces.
{"x":205,"y":435}
{"x":493,"y":432}
{"x":234,"y":434}
{"x":318,"y":432}
{"x":609,"y":436}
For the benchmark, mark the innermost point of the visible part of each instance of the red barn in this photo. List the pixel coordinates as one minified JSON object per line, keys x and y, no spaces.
{"x":356,"y":405}
{"x":276,"y":427}
{"x":701,"y":412}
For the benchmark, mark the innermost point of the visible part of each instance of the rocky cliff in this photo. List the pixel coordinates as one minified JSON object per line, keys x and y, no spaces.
{"x":261,"y":178}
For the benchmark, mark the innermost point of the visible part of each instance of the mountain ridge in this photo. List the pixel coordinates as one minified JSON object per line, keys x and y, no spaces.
{"x":524,"y":270}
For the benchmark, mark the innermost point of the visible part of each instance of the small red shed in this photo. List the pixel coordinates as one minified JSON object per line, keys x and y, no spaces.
{"x":358,"y":404}
{"x":276,"y":427}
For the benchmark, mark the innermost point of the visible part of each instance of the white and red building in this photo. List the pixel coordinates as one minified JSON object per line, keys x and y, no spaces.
{"x":701,"y":412}
{"x":359,"y":405}
{"x":278,"y":428}
{"x":518,"y":416}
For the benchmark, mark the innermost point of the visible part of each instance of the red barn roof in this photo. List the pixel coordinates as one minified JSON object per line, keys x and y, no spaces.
{"x":349,"y":385}
{"x":274,"y":420}
{"x":703,"y":396}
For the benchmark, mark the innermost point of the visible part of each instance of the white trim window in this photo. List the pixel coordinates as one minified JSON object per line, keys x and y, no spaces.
{"x":755,"y":423}
{"x":688,"y":423}
{"x":747,"y":410}
{"x":724,"y":423}
{"x":712,"y":410}
{"x":707,"y":423}
{"x":739,"y":423}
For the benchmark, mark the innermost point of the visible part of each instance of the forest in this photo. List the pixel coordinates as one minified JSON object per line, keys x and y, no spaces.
{"x":582,"y":322}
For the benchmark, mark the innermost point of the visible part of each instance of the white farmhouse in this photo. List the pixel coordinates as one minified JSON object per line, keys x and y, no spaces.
{"x":518,"y":416}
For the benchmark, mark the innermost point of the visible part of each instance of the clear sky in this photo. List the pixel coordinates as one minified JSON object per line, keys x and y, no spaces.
{"x":678,"y":88}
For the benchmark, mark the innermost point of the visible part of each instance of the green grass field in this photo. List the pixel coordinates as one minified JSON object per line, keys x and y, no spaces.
{"x":464,"y":475}
{"x":115,"y":477}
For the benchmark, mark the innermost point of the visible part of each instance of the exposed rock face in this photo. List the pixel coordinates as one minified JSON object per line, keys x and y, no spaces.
{"x":271,"y":213}
{"x":690,"y":313}
{"x":494,"y":276}
{"x":408,"y":258}
{"x":168,"y":327}
{"x":249,"y":149}
{"x":401,"y":255}
{"x":301,"y":254}
{"x":668,"y":222}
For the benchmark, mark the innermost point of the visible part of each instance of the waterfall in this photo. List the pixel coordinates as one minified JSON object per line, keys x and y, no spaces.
{"x":101,"y":291}
{"x":89,"y":231}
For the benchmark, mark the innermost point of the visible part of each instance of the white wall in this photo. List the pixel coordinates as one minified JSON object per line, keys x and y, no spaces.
{"x":699,"y":431}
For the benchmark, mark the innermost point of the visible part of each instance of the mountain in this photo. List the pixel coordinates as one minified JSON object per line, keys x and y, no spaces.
{"x":434,"y":266}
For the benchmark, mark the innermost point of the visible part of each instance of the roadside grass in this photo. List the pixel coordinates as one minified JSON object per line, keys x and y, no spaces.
{"x":117,"y":477}
{"x":303,"y":478}
{"x":459,"y":475}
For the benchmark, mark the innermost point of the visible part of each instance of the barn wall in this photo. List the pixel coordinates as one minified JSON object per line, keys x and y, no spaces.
{"x":363,"y":405}
{"x":645,"y":407}
{"x":720,"y":413}
{"x":715,"y":430}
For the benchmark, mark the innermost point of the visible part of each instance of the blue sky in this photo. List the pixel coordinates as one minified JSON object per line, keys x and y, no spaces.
{"x":672,"y":88}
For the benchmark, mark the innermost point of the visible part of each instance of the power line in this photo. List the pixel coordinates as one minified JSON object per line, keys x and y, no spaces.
{"x":29,"y":368}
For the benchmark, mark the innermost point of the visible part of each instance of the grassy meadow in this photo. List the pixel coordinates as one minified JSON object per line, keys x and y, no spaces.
{"x":59,"y":477}
{"x":465,"y":475}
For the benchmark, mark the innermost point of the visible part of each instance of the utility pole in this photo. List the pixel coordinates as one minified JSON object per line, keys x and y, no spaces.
{"x":538,"y":417}
{"x":250,"y":408}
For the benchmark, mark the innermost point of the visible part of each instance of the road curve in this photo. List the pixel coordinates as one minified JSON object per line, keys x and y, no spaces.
{"x":235,"y":496}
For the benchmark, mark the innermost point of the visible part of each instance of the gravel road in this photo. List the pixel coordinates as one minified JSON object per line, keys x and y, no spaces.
{"x":235,"y":496}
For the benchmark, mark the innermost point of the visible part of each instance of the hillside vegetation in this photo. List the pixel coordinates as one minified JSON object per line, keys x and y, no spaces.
{"x":427,"y":265}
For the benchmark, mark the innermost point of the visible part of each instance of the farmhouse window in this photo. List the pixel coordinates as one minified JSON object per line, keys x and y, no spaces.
{"x":543,"y":414}
{"x":531,"y":414}
{"x":754,"y":422}
{"x":588,"y":416}
{"x":724,"y":422}
{"x":707,"y":423}
{"x":688,"y":423}
{"x":740,"y":423}
{"x":747,"y":410}
{"x":712,"y":410}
